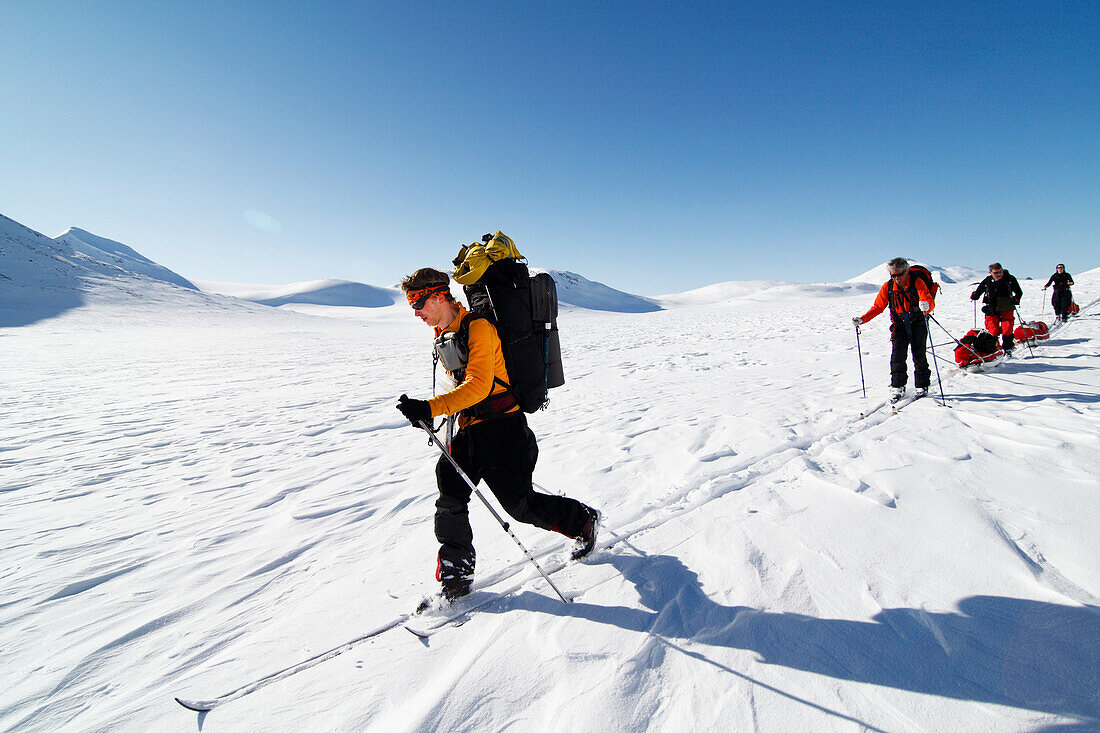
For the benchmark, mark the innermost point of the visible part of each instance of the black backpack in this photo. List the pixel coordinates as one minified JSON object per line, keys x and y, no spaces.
{"x":922,"y":273}
{"x":524,"y":310}
{"x":983,"y":342}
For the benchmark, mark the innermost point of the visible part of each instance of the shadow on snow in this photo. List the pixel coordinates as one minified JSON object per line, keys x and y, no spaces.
{"x":1005,"y":651}
{"x":1085,"y":397}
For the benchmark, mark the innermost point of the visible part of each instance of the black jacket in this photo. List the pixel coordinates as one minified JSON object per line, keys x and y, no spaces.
{"x":1007,"y":287}
{"x":1061,"y":280}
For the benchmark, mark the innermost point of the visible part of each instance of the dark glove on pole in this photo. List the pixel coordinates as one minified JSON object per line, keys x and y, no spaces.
{"x":414,"y":410}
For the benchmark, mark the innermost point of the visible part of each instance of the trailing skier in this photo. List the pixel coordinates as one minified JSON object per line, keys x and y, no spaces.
{"x":493,"y":442}
{"x":1063,"y":296}
{"x":909,"y":294}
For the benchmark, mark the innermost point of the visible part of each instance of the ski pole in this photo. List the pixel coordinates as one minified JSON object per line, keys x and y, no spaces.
{"x":860,"y":352}
{"x":932,"y":345}
{"x":971,"y":349}
{"x":489,"y":506}
{"x":1026,"y":339}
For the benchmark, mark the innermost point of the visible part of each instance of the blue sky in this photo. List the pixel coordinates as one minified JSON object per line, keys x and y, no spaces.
{"x":655,"y":147}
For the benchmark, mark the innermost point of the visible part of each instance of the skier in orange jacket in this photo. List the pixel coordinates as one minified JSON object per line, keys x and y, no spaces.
{"x":909,"y":298}
{"x":493,"y":443}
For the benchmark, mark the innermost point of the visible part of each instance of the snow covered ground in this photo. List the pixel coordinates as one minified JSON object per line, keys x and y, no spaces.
{"x":196,"y":493}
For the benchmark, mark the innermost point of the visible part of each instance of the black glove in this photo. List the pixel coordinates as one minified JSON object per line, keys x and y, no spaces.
{"x":1015,"y":301}
{"x":414,"y":410}
{"x":975,"y":296}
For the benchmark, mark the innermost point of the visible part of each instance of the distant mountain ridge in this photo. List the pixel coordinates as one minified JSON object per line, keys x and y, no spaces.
{"x":60,"y":264}
{"x":879,"y":274}
{"x":312,"y":292}
{"x":581,"y":292}
{"x":43,"y":278}
{"x":573,"y":290}
{"x":115,"y":253}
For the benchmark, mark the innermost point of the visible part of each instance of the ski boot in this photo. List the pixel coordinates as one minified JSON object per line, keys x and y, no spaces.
{"x":586,"y":541}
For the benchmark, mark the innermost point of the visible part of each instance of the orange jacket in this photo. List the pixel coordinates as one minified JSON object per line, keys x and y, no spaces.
{"x":902,"y":299}
{"x":485,"y":362}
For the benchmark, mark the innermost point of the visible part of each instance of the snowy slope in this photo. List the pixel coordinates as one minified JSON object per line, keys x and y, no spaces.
{"x":38,"y":277}
{"x":575,"y":290}
{"x":313,"y":292}
{"x":197,"y":498}
{"x":42,"y":278}
{"x":120,"y":255}
{"x":727,"y":293}
{"x":944,"y":275}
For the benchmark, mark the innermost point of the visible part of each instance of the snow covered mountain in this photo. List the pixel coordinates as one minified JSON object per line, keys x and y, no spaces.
{"x":573,"y":290}
{"x":581,"y":292}
{"x":314,"y":292}
{"x":105,"y":257}
{"x":760,"y":290}
{"x":38,"y":276}
{"x":43,"y":278}
{"x":944,"y":275}
{"x":125,"y":258}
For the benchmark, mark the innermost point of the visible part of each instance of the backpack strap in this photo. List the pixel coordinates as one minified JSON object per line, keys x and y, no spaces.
{"x":494,"y":404}
{"x":895,"y":312}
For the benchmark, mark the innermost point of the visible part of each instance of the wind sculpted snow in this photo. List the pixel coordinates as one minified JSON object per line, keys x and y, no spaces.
{"x":196,"y":494}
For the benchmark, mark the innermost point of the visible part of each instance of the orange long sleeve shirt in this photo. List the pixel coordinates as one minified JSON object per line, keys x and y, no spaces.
{"x":904,"y":303}
{"x":485,"y":362}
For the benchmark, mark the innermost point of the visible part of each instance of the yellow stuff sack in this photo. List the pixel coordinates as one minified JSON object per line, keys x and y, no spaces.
{"x":474,"y":259}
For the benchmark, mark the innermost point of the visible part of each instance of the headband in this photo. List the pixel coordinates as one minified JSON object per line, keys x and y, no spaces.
{"x":417,"y":298}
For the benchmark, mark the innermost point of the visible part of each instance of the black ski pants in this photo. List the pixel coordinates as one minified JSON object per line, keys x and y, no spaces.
{"x":909,"y":331}
{"x":1060,"y":300}
{"x":502,"y":452}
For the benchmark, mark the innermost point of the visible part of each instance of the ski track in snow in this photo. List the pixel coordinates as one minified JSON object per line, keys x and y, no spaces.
{"x":195,"y":500}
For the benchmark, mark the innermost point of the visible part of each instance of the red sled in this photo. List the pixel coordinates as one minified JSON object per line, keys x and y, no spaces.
{"x":1031,"y":331}
{"x":1074,"y":309}
{"x":977,"y":347}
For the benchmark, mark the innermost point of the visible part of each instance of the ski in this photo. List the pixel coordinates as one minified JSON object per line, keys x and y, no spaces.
{"x":454,"y":613}
{"x":873,"y":409}
{"x":984,"y":366}
{"x":205,"y":706}
{"x":423,"y":627}
{"x":905,"y":402}
{"x":434,"y":613}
